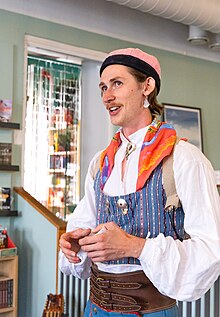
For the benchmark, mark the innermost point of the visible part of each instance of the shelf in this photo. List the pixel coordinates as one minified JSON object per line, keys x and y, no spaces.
{"x":62,"y":171}
{"x":9,"y":267}
{"x":57,"y":186}
{"x":9,"y":125}
{"x":63,"y":153}
{"x":8,"y":213}
{"x":12,"y":168}
{"x":6,"y":309}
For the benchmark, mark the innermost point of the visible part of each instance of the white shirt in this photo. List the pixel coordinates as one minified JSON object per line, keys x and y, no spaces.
{"x":181,"y":270}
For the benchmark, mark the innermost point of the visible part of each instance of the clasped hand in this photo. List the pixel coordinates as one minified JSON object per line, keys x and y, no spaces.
{"x":113,"y":244}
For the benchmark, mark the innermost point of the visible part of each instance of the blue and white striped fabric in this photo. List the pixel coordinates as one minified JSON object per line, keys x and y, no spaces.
{"x":145,"y":212}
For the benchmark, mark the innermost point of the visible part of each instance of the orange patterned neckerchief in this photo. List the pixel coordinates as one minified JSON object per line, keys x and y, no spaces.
{"x":158,"y":143}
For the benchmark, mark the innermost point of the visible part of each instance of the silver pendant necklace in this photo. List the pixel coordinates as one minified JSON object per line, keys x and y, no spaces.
{"x":131,"y":147}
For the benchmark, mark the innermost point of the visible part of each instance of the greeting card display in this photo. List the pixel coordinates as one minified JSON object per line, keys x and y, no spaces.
{"x":5,"y":198}
{"x":5,"y":110}
{"x":5,"y":153}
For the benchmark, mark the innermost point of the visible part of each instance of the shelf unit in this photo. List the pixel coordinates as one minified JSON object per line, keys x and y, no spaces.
{"x":63,"y":173}
{"x":9,"y":273}
{"x":9,"y":167}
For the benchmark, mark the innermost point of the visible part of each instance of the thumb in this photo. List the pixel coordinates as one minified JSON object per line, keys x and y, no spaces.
{"x":99,"y":229}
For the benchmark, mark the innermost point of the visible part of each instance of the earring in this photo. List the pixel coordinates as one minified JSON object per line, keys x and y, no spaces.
{"x":146,"y":103}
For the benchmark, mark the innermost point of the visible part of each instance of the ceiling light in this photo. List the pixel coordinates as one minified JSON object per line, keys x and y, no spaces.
{"x":214,"y":42}
{"x":197,"y":36}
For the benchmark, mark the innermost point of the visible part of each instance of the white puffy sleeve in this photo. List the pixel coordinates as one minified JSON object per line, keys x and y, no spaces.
{"x":186,"y":270}
{"x":84,"y":216}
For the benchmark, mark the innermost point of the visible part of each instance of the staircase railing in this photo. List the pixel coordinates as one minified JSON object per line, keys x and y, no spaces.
{"x":57,"y":222}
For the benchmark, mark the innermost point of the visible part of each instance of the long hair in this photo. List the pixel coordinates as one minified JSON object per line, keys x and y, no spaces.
{"x":155,"y":107}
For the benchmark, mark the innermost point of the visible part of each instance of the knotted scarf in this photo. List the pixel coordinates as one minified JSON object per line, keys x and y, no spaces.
{"x":158,"y":143}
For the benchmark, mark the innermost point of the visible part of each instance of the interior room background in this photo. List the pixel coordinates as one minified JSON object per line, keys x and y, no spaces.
{"x":190,"y":77}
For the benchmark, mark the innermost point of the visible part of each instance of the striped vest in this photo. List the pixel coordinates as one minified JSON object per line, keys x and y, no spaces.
{"x":140,"y":213}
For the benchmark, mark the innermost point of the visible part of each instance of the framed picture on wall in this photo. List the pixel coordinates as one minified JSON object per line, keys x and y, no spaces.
{"x":186,"y":121}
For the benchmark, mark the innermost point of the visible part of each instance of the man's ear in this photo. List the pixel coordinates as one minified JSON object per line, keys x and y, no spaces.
{"x":149,"y":86}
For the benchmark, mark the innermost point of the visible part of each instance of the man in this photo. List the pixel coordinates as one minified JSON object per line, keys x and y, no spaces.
{"x":140,"y":255}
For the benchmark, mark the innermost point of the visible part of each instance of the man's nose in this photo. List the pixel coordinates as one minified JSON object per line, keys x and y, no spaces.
{"x":108,"y":96}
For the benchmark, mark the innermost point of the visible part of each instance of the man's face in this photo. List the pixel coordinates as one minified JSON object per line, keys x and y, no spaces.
{"x":123,"y":97}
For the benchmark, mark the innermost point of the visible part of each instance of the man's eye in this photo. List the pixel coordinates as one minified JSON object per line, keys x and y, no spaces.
{"x":104,"y":88}
{"x":117,"y":83}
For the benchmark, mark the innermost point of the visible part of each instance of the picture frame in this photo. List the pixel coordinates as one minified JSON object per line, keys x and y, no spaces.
{"x":187,"y":122}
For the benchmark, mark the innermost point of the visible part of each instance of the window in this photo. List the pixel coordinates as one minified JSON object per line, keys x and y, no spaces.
{"x":52,"y":133}
{"x":51,"y":170}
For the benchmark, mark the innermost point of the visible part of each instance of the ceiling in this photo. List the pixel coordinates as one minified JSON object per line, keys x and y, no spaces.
{"x":202,"y":17}
{"x":163,"y":24}
{"x":201,"y":13}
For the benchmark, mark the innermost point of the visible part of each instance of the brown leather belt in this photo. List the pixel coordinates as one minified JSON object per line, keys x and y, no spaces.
{"x":126,"y":292}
